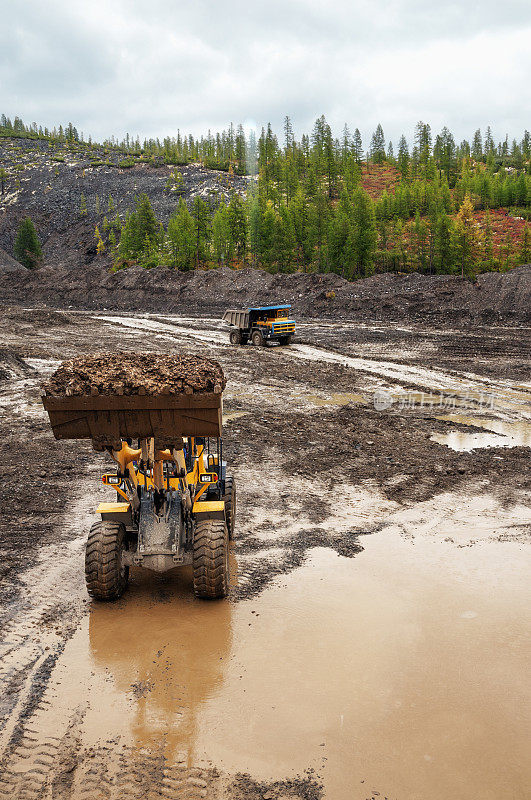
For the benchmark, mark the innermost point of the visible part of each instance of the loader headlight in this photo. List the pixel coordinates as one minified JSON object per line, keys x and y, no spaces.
{"x":208,"y":477}
{"x":112,"y":480}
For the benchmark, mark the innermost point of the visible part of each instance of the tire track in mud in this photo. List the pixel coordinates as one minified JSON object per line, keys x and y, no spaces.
{"x":391,"y":375}
{"x":38,"y":627}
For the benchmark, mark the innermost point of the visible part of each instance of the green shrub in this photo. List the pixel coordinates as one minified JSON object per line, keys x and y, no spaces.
{"x":27,"y":247}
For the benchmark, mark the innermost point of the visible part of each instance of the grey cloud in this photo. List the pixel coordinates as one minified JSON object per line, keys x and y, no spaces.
{"x":152,"y":68}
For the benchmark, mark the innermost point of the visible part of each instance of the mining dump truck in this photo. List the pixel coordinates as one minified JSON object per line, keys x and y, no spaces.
{"x":175,"y":504}
{"x":261,"y":325}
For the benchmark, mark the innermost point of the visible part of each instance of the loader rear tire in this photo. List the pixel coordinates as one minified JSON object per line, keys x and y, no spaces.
{"x":105,"y":576}
{"x":257,"y":339}
{"x":211,"y":559}
{"x":230,"y":505}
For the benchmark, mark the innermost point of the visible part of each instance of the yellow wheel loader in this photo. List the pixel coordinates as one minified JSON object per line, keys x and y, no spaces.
{"x":175,"y":504}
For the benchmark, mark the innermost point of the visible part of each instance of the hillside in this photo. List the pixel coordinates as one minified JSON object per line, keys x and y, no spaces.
{"x":52,"y":183}
{"x":320,"y":205}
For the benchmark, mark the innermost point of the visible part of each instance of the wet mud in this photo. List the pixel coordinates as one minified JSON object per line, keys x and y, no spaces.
{"x":374,"y":643}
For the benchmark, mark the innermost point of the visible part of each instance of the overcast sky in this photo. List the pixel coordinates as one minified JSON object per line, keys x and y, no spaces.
{"x":149,"y":67}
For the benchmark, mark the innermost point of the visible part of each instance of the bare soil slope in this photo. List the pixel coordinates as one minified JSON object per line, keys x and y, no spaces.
{"x":494,"y":297}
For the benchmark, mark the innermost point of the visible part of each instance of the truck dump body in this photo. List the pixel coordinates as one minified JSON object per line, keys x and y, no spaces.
{"x":238,"y":318}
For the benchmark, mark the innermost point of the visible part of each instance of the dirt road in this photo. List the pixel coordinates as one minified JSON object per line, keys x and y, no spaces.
{"x":375,"y":639}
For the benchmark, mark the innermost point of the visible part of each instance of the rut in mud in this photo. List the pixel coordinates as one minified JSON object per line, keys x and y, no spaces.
{"x":379,"y":594}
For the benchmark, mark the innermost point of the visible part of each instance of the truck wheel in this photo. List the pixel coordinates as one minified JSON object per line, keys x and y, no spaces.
{"x":235,"y":337}
{"x":105,"y":575}
{"x":230,"y":505}
{"x":257,"y":339}
{"x":211,"y":559}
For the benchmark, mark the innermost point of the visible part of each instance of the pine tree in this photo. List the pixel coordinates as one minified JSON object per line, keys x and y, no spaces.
{"x":221,"y":235}
{"x":200,"y":217}
{"x":181,"y":237}
{"x":357,"y":147}
{"x":241,"y":151}
{"x":403,"y":157}
{"x":423,"y":142}
{"x":378,"y":145}
{"x":3,"y":179}
{"x":364,"y":237}
{"x":477,"y":146}
{"x":147,"y":227}
{"x":27,"y":247}
{"x":489,"y":142}
{"x":238,"y":226}
{"x":468,"y":239}
{"x":445,"y":152}
{"x":443,"y":250}
{"x":100,"y":244}
{"x":288,"y":135}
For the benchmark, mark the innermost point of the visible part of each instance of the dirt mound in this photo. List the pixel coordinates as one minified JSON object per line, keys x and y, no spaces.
{"x":12,"y":366}
{"x":136,"y":374}
{"x":8,"y":264}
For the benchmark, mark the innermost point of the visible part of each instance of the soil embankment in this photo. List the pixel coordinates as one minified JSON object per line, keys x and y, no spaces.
{"x":494,"y":298}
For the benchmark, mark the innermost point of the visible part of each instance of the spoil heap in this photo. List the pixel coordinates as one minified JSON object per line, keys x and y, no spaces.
{"x":136,"y":374}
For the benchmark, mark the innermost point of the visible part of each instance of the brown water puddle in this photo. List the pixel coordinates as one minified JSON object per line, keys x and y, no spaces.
{"x":401,"y":671}
{"x":498,"y":433}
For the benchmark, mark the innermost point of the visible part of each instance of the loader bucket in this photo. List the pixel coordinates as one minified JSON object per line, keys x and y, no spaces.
{"x":108,"y":418}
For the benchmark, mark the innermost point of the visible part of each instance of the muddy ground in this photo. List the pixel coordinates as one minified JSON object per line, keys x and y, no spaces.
{"x":373,"y":644}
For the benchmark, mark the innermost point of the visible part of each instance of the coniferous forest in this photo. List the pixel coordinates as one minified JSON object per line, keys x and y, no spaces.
{"x":324,"y":203}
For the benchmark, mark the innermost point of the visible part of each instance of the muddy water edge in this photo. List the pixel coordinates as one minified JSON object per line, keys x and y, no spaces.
{"x":375,"y":643}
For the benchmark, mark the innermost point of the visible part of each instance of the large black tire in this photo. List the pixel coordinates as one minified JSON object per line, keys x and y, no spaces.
{"x":105,"y":576}
{"x":230,"y":505}
{"x":211,"y":559}
{"x":257,"y":339}
{"x":235,"y":336}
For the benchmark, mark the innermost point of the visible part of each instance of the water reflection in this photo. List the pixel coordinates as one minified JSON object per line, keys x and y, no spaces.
{"x":167,"y":652}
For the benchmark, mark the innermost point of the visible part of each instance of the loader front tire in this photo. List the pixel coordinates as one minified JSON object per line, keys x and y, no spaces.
{"x":105,"y":575}
{"x":211,"y":559}
{"x":230,"y":505}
